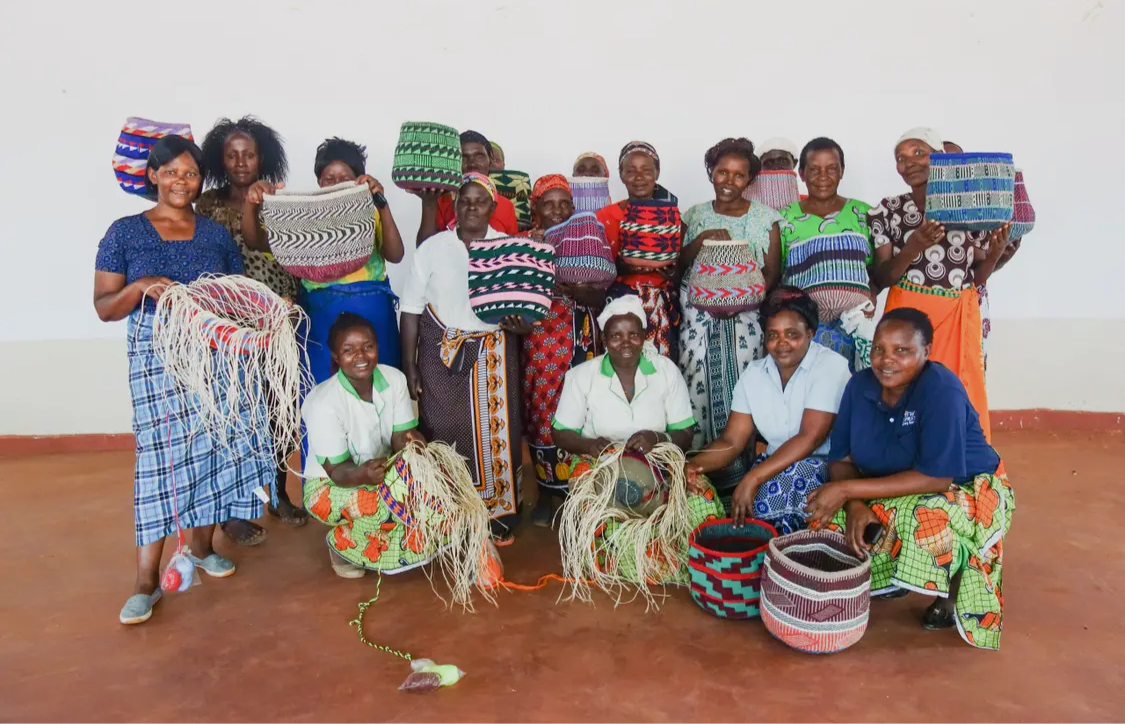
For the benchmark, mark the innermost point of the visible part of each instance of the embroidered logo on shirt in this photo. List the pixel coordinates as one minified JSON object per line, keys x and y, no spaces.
{"x":908,"y":418}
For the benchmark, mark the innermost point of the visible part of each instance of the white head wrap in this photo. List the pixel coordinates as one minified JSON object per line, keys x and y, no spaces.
{"x":777,"y":144}
{"x":928,"y":136}
{"x":624,"y":305}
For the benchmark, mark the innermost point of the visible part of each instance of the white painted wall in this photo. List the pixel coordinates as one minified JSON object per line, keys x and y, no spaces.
{"x":1039,"y":78}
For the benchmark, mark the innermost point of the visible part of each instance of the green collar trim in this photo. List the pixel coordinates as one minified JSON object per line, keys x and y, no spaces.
{"x":646,"y":366}
{"x":378,"y":382}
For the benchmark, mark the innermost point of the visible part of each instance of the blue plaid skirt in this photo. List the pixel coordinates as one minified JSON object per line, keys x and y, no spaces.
{"x":781,"y":499}
{"x":210,"y":487}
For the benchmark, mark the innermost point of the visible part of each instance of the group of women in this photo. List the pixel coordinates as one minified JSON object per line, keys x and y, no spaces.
{"x":903,"y":444}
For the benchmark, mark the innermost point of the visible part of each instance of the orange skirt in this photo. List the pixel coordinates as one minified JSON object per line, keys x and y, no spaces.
{"x":957,"y":335}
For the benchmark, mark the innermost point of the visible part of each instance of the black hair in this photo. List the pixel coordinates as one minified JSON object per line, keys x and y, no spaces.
{"x":273,"y":165}
{"x":820,"y":143}
{"x":785,"y":298}
{"x":732,"y":147}
{"x":350,"y":153}
{"x":476,"y":137}
{"x":346,"y":322}
{"x":166,"y":150}
{"x":916,"y":318}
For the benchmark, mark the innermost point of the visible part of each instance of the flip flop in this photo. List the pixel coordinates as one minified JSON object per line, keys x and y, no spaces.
{"x":345,"y":569}
{"x":138,"y":608}
{"x":215,"y":565}
{"x":294,"y":516}
{"x":505,"y":540}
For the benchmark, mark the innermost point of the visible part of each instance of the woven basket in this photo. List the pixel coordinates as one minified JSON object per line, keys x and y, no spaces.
{"x":427,"y":158}
{"x":832,"y":268}
{"x":224,"y":316}
{"x":130,"y":160}
{"x":725,"y":564}
{"x":321,"y":235}
{"x":650,"y":234}
{"x":582,"y":255}
{"x":1023,"y":213}
{"x":971,"y":191}
{"x":816,"y":594}
{"x":775,"y":189}
{"x":590,"y":193}
{"x":512,"y":275}
{"x":725,"y":276}
{"x":516,"y":187}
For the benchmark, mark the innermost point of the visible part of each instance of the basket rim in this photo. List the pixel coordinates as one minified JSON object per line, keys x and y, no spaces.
{"x":811,"y":536}
{"x":336,"y":191}
{"x":723,"y":242}
{"x":726,"y":554}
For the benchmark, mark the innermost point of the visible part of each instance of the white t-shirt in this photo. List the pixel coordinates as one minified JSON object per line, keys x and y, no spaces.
{"x":439,"y":276}
{"x":593,"y":402}
{"x":818,"y":384}
{"x":341,"y":426}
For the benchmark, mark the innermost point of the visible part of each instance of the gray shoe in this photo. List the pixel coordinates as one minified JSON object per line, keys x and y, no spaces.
{"x":215,"y":565}
{"x":138,"y":608}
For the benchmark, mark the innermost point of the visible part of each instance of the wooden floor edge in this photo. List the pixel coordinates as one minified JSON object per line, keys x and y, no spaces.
{"x":1006,"y":420}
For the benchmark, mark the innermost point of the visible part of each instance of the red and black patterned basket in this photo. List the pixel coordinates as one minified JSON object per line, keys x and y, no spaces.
{"x":651,"y":234}
{"x":725,"y":563}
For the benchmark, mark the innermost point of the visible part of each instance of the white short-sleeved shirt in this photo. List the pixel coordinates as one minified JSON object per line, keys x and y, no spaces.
{"x":342,"y":427}
{"x":439,"y":276}
{"x":593,"y":402}
{"x":818,"y":384}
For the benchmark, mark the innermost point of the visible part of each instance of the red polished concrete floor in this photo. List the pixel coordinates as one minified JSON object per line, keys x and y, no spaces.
{"x":273,"y":642}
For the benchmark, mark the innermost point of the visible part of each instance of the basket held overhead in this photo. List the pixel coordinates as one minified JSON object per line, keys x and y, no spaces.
{"x":427,"y":158}
{"x":130,"y":159}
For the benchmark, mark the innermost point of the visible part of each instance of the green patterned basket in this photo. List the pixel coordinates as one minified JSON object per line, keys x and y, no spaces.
{"x":427,"y":158}
{"x":516,"y":187}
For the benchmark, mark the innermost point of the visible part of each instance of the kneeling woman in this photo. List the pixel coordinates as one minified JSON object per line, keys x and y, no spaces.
{"x":631,"y":395}
{"x":355,"y":419}
{"x":910,"y":457}
{"x":790,"y":398}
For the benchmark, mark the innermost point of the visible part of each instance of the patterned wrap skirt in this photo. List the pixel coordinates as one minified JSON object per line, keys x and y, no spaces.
{"x":471,"y":400}
{"x":662,"y":305}
{"x":930,"y":538}
{"x":781,"y":499}
{"x":713,"y":354}
{"x":173,"y":451}
{"x":566,"y":337}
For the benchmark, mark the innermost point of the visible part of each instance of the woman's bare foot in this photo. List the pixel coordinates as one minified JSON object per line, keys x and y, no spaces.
{"x":245,"y":532}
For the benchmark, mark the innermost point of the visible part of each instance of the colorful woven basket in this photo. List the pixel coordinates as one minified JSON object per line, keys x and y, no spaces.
{"x":590,"y":193}
{"x":515,"y":186}
{"x":650,"y":234}
{"x":427,"y":158}
{"x":1023,"y":213}
{"x":971,"y":191}
{"x":512,"y":275}
{"x":582,"y":255}
{"x":775,"y":189}
{"x":815,"y":593}
{"x":832,"y":268}
{"x":725,"y":276}
{"x":725,"y":564}
{"x":130,"y":160}
{"x":321,"y":235}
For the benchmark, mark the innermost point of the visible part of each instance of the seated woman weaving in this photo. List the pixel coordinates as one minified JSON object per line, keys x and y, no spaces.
{"x":790,"y":398}
{"x":355,"y":419}
{"x":913,"y":472}
{"x":632,"y":396}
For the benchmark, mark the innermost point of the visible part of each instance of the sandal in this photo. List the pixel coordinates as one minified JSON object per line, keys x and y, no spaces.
{"x":939,"y":617}
{"x":504,"y":540}
{"x":215,"y":565}
{"x":288,"y":513}
{"x":345,"y":569}
{"x":244,"y":532}
{"x":138,"y":608}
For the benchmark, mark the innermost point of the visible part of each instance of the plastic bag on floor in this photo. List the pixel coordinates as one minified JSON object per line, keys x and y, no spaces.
{"x":428,"y":676}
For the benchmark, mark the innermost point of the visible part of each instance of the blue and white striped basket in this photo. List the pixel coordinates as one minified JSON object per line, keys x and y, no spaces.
{"x":971,"y":191}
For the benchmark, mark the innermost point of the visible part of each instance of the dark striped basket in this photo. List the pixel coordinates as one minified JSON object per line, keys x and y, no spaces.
{"x":427,"y":158}
{"x":725,"y":564}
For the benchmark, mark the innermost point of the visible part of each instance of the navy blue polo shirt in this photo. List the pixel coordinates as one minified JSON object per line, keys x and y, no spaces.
{"x":933,"y":429}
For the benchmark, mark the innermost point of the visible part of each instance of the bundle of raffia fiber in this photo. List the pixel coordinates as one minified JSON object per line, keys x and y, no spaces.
{"x":609,"y":546}
{"x":230,"y":344}
{"x":455,"y":524}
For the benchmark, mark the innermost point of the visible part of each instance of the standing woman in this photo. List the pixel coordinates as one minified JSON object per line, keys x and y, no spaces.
{"x":566,"y":337}
{"x":236,"y":155}
{"x":366,"y":291}
{"x":639,"y":166}
{"x":933,"y":270}
{"x":463,"y":372}
{"x":715,"y":348}
{"x":137,"y":260}
{"x":808,"y":257}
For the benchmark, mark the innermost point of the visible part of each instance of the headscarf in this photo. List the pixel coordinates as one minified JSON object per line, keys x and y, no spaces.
{"x":629,"y":304}
{"x":546,"y":183}
{"x":473,"y":177}
{"x":778,"y":143}
{"x":928,"y":136}
{"x":596,"y":157}
{"x":638,"y":147}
